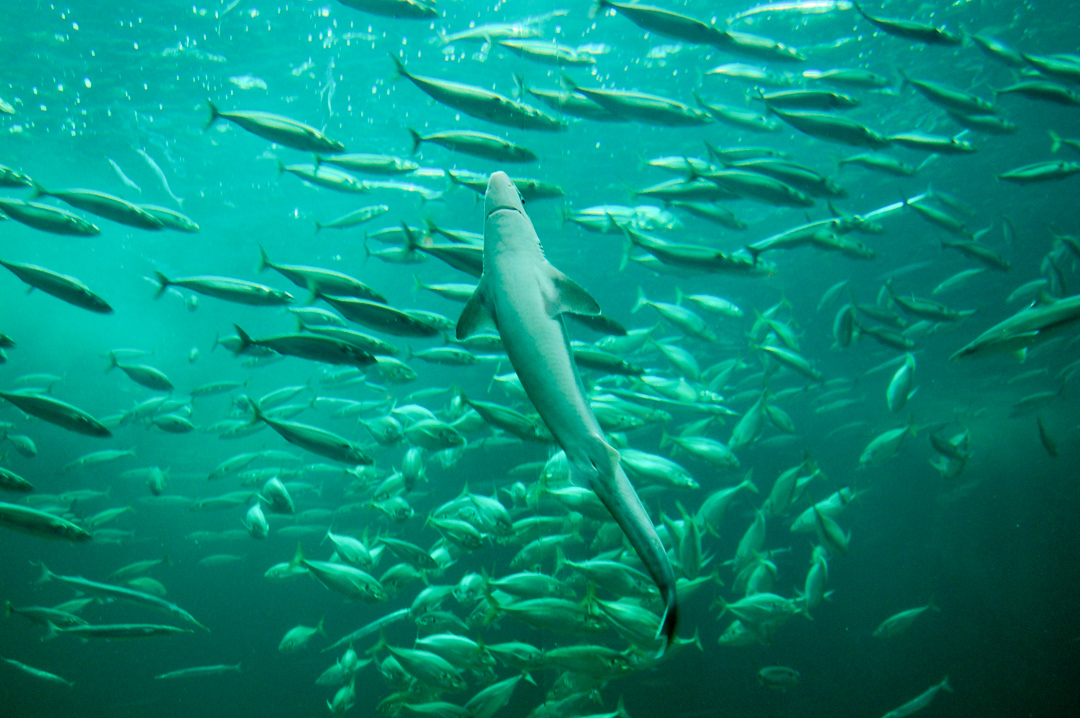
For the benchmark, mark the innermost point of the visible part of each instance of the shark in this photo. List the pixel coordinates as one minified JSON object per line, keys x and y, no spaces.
{"x":523,"y":297}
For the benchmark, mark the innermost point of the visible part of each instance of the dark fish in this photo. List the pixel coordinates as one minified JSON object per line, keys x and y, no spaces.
{"x":315,"y":347}
{"x":41,"y":524}
{"x":401,"y":9}
{"x":47,"y":219}
{"x":322,"y":281}
{"x":381,"y":317}
{"x":481,"y":103}
{"x":104,"y":205}
{"x":910,"y":29}
{"x":61,"y":286}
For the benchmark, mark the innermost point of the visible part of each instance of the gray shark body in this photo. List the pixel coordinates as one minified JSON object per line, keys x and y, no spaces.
{"x":524,"y":296}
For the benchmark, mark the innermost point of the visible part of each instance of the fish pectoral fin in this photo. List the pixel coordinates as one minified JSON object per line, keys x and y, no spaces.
{"x":568,"y":296}
{"x":475,"y":317}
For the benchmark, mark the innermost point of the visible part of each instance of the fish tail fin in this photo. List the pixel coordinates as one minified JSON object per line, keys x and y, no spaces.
{"x":9,"y":608}
{"x":214,"y":115}
{"x":945,"y":685}
{"x":281,"y":168}
{"x":46,"y":574}
{"x":318,"y":226}
{"x":298,"y":557}
{"x":51,"y":631}
{"x":417,"y":140}
{"x":39,"y":191}
{"x":162,"y":282}
{"x":112,"y":362}
{"x":1055,"y":141}
{"x":399,"y":66}
{"x":665,"y":437}
{"x":245,"y":339}
{"x":560,"y":560}
{"x":640,"y":302}
{"x":318,"y":160}
{"x":319,"y":627}
{"x":264,"y":261}
{"x":255,"y":408}
{"x":669,"y":624}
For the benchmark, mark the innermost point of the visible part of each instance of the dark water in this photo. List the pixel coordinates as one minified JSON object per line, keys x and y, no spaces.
{"x":995,"y":547}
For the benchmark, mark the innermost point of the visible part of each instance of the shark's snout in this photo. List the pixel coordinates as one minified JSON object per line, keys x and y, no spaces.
{"x":502,"y":194}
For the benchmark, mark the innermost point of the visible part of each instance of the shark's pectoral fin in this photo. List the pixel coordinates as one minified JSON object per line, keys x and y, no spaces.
{"x":475,"y":317}
{"x":568,"y":296}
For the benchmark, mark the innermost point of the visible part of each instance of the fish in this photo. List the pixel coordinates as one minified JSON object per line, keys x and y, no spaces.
{"x":116,"y":631}
{"x":547,"y":52}
{"x":104,"y":205}
{"x":277,"y":128}
{"x":368,"y":163}
{"x":381,"y":317}
{"x":118,"y":593}
{"x":315,"y":347}
{"x":123,"y":177}
{"x":227,"y":288}
{"x":41,"y":524}
{"x":321,"y":281}
{"x":142,"y":374}
{"x":354,"y":218}
{"x":316,"y":440}
{"x":296,"y":639}
{"x":47,"y":218}
{"x":920,"y":701}
{"x":160,"y":174}
{"x":477,"y":144}
{"x":481,"y":103}
{"x":642,"y":107}
{"x":38,"y":673}
{"x":56,"y":412}
{"x":401,"y":9}
{"x":13,"y":178}
{"x":901,"y":622}
{"x":10,"y":481}
{"x":61,"y":286}
{"x":1041,"y":172}
{"x":910,"y":29}
{"x":529,"y":322}
{"x":832,"y":128}
{"x":328,"y":177}
{"x":199,"y":672}
{"x":778,"y":677}
{"x":171,"y":219}
{"x":1022,"y":330}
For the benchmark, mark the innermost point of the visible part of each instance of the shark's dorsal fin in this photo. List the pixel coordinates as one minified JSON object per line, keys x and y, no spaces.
{"x":476,"y":317}
{"x":569,"y":297}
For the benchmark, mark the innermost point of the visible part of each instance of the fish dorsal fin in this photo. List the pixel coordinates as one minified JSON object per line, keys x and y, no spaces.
{"x":476,"y":317}
{"x":568,"y":296}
